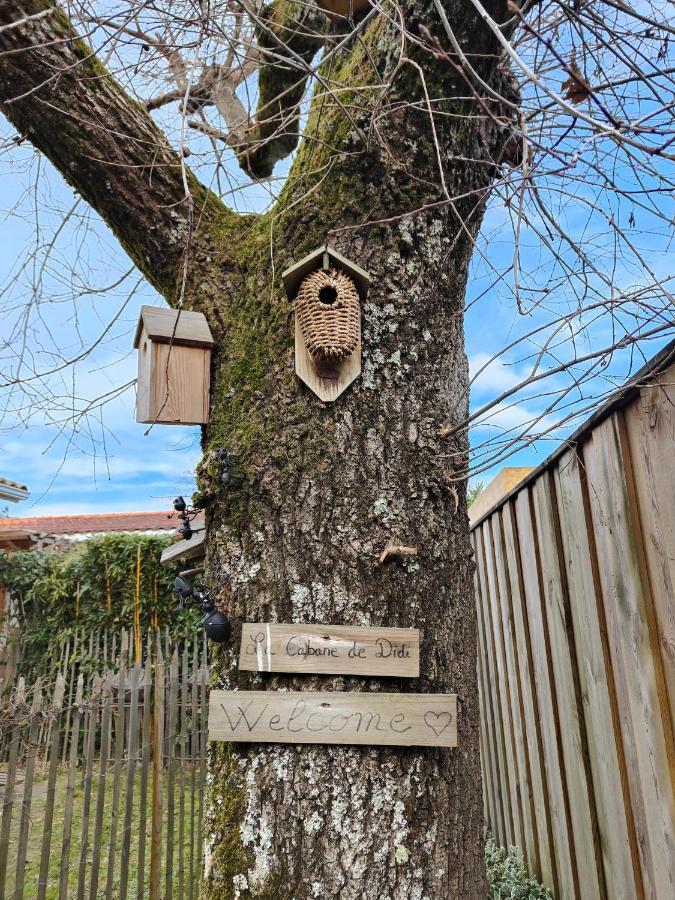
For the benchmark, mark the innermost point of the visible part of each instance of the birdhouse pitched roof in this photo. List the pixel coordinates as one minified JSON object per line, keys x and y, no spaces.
{"x":177,"y":326}
{"x":293,"y":276}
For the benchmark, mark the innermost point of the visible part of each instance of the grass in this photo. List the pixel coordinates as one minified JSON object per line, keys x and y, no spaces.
{"x":507,"y":874}
{"x":37,"y":817}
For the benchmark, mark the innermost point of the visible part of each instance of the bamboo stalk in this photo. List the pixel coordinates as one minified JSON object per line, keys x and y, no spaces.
{"x":137,"y":607}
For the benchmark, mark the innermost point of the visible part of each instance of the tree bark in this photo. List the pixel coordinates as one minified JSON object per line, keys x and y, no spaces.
{"x":318,"y":491}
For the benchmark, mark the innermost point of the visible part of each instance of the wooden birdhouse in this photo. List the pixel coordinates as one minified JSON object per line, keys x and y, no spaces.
{"x":327,"y":291}
{"x":174,"y":365}
{"x":343,"y":9}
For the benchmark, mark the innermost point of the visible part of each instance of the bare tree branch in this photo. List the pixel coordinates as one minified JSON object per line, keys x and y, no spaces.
{"x":104,"y":144}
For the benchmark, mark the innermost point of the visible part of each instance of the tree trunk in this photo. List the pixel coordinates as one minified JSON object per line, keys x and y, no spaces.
{"x":317,"y":495}
{"x":318,"y":491}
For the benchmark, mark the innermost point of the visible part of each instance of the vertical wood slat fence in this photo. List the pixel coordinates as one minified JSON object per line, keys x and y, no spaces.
{"x":102,"y":795}
{"x":575,"y":592}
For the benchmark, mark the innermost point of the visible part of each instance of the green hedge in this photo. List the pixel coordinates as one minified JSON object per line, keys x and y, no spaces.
{"x":90,"y":586}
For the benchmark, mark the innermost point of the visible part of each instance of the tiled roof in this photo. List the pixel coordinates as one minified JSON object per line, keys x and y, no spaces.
{"x":107,"y":522}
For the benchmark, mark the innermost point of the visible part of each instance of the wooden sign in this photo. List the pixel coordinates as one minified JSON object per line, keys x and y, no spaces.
{"x":330,"y":650}
{"x":334,"y":717}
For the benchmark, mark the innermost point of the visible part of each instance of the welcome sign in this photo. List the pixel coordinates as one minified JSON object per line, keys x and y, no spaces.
{"x":332,"y":717}
{"x":330,"y":650}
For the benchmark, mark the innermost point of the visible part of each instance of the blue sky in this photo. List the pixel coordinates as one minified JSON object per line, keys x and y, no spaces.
{"x":110,"y":464}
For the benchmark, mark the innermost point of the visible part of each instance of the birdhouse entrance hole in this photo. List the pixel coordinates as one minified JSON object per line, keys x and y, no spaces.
{"x":327,"y":295}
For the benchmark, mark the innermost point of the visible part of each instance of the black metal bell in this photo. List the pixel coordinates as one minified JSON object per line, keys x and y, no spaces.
{"x":217,"y":627}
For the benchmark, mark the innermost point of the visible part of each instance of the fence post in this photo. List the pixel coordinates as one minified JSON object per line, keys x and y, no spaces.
{"x":203,"y":739}
{"x":171,"y":775}
{"x":70,"y":789}
{"x":19,"y":704}
{"x":132,"y":745}
{"x":90,"y":740}
{"x":31,"y":755}
{"x":157,"y":764}
{"x":55,"y":736}
{"x":194,"y":753}
{"x":106,"y":718}
{"x":182,"y":730}
{"x":145,"y":765}
{"x":117,"y":772}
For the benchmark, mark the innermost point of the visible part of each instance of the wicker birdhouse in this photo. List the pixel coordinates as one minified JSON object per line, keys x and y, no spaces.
{"x":174,"y":365}
{"x":327,"y":290}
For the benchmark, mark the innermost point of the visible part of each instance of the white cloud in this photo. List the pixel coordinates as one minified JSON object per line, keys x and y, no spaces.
{"x":496,"y":377}
{"x":513,"y":418}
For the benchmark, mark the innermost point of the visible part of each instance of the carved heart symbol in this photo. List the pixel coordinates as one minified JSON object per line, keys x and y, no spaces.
{"x":438,"y":722}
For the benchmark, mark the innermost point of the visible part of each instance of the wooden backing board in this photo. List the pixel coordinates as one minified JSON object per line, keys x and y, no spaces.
{"x":334,"y":717}
{"x":326,"y":389}
{"x":330,"y":650}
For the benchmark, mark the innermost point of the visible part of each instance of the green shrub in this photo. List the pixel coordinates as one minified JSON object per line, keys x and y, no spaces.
{"x":90,"y":586}
{"x":508,"y":875}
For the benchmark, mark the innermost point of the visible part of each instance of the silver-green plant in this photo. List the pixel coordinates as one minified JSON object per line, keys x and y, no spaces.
{"x":508,"y":875}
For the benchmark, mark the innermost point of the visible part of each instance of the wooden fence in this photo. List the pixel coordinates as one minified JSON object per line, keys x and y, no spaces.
{"x":89,"y":650}
{"x":575,"y":589}
{"x":102,"y":781}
